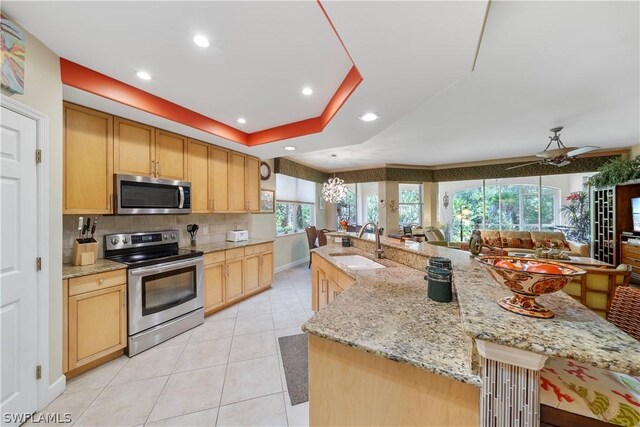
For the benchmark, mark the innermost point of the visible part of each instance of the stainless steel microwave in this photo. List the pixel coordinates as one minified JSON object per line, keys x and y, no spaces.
{"x":142,"y":195}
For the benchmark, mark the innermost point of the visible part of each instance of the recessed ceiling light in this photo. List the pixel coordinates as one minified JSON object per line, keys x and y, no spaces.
{"x":307,"y":91}
{"x":369,"y":117}
{"x":143,"y":75}
{"x":201,"y":40}
{"x":289,"y":148}
{"x":242,"y":120}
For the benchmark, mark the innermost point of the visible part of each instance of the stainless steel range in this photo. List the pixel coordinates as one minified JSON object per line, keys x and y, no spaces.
{"x":164,"y":284}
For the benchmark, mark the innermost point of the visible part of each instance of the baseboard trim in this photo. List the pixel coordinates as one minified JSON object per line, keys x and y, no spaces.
{"x":53,"y":391}
{"x":292,"y":264}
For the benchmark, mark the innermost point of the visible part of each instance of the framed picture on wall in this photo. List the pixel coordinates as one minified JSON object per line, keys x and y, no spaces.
{"x":321,"y":203}
{"x":267,"y":201}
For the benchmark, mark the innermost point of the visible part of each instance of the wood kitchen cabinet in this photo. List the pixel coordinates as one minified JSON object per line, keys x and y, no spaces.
{"x":171,"y":155}
{"x":95,"y":318}
{"x":252,"y":273}
{"x":198,"y":175}
{"x":327,"y":282}
{"x":234,"y":286}
{"x":88,"y":161}
{"x":219,"y":175}
{"x":134,"y":148}
{"x":214,"y":276}
{"x":252,"y":184}
{"x":266,"y":267}
{"x":237,"y":199}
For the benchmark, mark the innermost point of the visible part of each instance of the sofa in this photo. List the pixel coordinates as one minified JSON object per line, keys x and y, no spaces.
{"x":527,"y":241}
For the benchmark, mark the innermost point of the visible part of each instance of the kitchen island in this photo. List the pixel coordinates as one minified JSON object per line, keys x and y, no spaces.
{"x":383,"y":353}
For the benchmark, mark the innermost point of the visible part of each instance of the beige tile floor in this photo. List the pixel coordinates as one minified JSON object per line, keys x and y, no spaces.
{"x":226,"y":372}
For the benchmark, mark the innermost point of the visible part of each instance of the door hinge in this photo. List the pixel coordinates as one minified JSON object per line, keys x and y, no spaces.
{"x":39,"y":372}
{"x":38,"y":156}
{"x":38,"y":264}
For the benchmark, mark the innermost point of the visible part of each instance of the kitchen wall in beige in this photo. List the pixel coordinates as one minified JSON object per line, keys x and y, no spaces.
{"x":43,"y":92}
{"x":263,"y":225}
{"x":213,"y":227}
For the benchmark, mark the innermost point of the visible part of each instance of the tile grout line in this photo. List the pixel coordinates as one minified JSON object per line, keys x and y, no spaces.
{"x":226,"y":367}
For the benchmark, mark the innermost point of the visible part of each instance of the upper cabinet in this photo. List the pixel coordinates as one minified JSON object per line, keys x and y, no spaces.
{"x":97,"y":145}
{"x":134,"y":148}
{"x":171,"y":155}
{"x":88,"y":161}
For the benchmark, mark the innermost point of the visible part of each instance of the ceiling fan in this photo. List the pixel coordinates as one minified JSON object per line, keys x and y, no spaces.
{"x":560,"y":156}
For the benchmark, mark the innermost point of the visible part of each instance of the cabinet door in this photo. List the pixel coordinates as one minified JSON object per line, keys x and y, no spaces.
{"x":237,"y":201}
{"x":171,"y":155}
{"x":252,"y":184}
{"x":213,"y":286}
{"x":134,"y":146}
{"x":333,"y":290}
{"x":234,"y":280}
{"x":252,"y":273}
{"x":88,"y":161}
{"x":323,"y":289}
{"x":198,"y":175}
{"x":219,"y":164}
{"x":97,"y":324}
{"x":266,"y":269}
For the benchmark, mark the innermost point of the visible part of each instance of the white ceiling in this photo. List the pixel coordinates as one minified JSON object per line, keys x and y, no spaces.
{"x":541,"y":64}
{"x":261,"y":56}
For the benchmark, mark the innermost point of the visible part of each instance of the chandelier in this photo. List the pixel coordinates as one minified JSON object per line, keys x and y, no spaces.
{"x":334,"y":190}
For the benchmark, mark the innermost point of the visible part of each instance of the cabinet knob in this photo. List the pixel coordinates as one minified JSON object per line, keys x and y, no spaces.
{"x":100,"y":282}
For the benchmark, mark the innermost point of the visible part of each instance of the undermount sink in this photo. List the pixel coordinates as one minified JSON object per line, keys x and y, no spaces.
{"x":357,"y":262}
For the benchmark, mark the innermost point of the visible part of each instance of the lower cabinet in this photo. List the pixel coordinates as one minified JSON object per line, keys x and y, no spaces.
{"x":235,"y":274}
{"x":327,"y":282}
{"x":95,"y":318}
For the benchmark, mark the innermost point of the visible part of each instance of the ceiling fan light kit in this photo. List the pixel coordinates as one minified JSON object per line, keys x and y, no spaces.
{"x":560,"y":156}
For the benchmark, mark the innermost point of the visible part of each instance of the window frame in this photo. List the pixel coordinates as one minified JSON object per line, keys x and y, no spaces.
{"x":312,"y":221}
{"x":420,"y":202}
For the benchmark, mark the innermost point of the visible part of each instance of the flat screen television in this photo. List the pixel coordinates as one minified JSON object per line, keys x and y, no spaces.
{"x":635,"y":212}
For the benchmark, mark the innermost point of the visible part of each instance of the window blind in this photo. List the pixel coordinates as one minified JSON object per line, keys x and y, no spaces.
{"x":290,"y":189}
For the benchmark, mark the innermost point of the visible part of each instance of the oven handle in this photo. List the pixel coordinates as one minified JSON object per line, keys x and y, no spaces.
{"x":164,"y":267}
{"x":181,"y":191}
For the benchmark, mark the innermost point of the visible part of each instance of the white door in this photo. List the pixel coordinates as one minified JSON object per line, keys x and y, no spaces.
{"x":18,"y":275}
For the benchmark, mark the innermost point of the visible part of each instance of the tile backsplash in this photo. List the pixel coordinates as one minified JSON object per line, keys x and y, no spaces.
{"x":213,"y":227}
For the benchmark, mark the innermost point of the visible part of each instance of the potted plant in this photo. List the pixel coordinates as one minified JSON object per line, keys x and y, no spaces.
{"x":616,"y":171}
{"x":576,"y":213}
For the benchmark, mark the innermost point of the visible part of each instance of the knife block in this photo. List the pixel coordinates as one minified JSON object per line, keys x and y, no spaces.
{"x":84,"y":253}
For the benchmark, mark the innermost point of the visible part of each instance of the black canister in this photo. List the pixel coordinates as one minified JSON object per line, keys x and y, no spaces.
{"x":346,"y":242}
{"x":439,"y":262}
{"x":439,"y":284}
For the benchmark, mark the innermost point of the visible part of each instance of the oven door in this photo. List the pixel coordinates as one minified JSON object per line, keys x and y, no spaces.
{"x":163,"y":292}
{"x":145,"y":195}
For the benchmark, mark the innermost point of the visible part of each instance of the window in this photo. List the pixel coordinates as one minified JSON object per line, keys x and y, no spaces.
{"x":348,"y":207}
{"x":410,"y":206}
{"x":293,"y":217}
{"x":295,"y":204}
{"x":372,"y":207}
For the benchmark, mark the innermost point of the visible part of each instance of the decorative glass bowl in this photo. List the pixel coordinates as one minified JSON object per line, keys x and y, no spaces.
{"x":527,"y":285}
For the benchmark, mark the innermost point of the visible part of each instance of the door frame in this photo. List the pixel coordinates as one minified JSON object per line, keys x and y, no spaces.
{"x":47,"y":389}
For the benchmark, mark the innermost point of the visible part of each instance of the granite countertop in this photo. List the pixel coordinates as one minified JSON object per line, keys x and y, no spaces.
{"x":101,"y":266}
{"x":221,"y":246}
{"x":575,"y":332}
{"x":387,"y":313}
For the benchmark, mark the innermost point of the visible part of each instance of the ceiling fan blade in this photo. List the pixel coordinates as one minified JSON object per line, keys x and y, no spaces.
{"x":563,"y":163}
{"x":582,"y":150}
{"x":556,"y":152}
{"x":521,"y":166}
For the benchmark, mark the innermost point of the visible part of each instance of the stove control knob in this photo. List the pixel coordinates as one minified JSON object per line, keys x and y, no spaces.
{"x":125,"y":240}
{"x":115,"y":240}
{"x":173,"y":236}
{"x":164,"y":236}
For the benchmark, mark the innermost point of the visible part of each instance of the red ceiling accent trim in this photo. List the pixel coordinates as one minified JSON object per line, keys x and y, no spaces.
{"x":91,"y":81}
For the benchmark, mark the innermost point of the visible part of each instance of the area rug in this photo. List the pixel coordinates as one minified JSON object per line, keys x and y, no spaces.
{"x":294,"y":350}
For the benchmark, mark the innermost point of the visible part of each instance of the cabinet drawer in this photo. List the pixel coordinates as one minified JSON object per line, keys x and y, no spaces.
{"x":266,"y":247}
{"x":253,"y":249}
{"x":94,"y":282}
{"x":631,"y":250}
{"x":633,"y":261}
{"x":234,"y":253}
{"x":214,"y":257}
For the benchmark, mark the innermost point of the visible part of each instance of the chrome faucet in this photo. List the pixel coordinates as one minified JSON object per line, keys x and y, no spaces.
{"x":376,"y":230}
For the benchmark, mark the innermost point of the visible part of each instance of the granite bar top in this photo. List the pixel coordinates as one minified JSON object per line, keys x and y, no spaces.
{"x":387,"y":313}
{"x":222,"y":246}
{"x":101,"y":266}
{"x":575,"y":332}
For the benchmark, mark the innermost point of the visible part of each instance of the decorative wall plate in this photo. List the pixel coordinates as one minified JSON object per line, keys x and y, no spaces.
{"x":265,"y":171}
